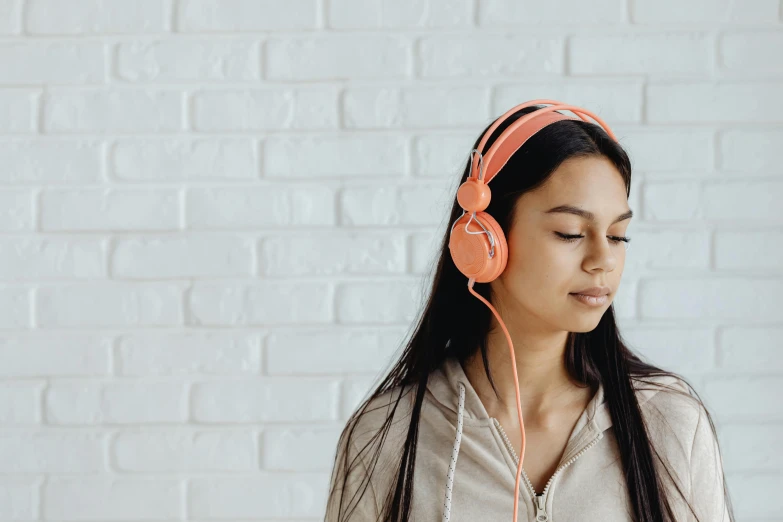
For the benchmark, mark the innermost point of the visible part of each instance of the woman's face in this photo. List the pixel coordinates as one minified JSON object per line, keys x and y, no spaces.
{"x":543,"y":269}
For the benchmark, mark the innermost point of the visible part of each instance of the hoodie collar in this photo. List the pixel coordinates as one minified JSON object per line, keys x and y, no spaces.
{"x":443,"y":384}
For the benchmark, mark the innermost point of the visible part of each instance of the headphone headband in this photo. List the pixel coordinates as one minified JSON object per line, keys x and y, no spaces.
{"x":520,"y":131}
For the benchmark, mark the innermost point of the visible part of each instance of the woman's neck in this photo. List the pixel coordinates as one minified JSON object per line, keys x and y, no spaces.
{"x":545,"y":387}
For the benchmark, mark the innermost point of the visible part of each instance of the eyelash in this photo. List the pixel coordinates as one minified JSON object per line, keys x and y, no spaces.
{"x":569,"y":238}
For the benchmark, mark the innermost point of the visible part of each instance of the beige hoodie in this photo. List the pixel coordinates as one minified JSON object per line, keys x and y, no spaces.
{"x":587,"y":486}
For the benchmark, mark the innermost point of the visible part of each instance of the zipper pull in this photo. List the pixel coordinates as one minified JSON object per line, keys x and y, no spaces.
{"x":541,"y":515}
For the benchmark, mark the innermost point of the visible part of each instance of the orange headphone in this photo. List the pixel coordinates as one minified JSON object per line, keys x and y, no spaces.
{"x":479,"y":248}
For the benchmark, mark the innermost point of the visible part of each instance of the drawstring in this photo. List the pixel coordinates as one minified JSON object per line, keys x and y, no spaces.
{"x":454,"y":454}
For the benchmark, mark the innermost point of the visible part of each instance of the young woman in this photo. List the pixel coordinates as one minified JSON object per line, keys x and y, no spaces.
{"x":606,"y":436}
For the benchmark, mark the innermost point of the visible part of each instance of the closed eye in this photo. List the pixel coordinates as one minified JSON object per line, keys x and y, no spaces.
{"x":570,"y":238}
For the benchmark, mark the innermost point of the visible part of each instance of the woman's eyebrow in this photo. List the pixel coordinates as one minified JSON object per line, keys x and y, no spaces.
{"x":569,"y":209}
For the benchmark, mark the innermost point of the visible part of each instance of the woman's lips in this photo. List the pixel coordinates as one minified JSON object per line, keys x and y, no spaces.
{"x":591,"y":300}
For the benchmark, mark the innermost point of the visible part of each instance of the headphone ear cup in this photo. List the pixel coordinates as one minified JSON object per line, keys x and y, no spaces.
{"x":501,"y":248}
{"x":470,"y":252}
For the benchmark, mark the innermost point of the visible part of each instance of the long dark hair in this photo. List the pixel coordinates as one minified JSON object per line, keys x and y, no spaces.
{"x":454,"y":324}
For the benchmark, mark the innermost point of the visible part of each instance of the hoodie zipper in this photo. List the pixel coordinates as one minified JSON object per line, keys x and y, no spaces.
{"x":540,"y":500}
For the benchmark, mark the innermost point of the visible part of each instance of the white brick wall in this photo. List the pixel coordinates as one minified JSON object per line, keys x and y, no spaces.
{"x":218,"y":217}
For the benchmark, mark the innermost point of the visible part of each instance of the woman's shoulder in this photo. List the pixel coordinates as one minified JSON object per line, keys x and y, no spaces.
{"x":680,"y":426}
{"x":386,"y":416}
{"x":374,"y":437}
{"x":673,"y":413}
{"x":670,"y":394}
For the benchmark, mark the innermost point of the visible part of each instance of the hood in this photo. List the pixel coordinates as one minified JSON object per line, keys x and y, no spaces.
{"x":444,"y":384}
